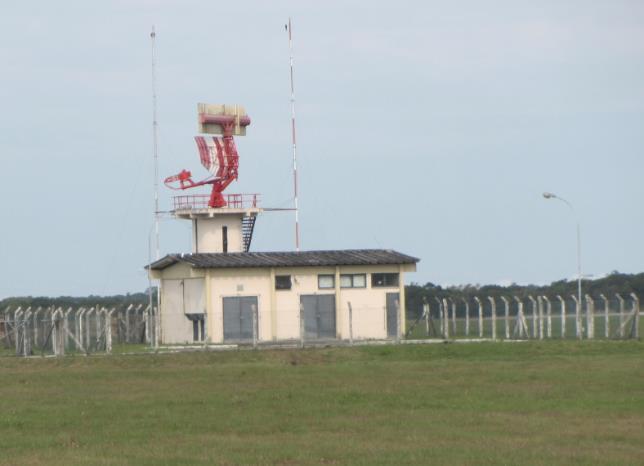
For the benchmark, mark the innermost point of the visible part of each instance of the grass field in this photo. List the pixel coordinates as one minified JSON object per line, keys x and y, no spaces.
{"x":491,"y":403}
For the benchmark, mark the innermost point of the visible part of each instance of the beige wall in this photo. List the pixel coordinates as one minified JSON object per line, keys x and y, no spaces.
{"x":207,"y":233}
{"x":279,"y":309}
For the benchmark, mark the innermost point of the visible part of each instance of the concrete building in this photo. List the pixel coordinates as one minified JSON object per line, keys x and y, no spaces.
{"x":279,"y":296}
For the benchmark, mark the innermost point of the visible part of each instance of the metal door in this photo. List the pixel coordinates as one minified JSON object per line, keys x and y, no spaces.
{"x":238,"y":318}
{"x":393,"y":304}
{"x":318,"y":312}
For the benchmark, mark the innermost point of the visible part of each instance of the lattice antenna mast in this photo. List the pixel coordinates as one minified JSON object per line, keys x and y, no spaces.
{"x":155,"y":145}
{"x":297,"y":211}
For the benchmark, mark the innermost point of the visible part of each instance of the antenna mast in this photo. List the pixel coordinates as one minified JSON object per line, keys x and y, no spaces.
{"x":297,"y":217}
{"x":155,"y":126}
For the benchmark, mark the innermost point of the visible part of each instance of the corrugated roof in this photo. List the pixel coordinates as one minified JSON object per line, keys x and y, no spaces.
{"x":287,"y":259}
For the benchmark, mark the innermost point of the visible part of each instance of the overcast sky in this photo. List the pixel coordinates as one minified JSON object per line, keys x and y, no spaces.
{"x":429,"y":127}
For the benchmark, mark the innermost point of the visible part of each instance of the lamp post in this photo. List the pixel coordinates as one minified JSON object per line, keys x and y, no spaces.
{"x":554,"y":196}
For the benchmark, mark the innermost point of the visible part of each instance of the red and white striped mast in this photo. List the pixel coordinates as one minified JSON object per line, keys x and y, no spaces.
{"x":297,"y":217}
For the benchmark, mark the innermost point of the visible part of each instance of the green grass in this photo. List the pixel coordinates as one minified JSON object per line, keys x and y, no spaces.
{"x":505,"y":403}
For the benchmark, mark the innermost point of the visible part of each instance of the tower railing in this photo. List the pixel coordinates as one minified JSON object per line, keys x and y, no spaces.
{"x":200,"y":201}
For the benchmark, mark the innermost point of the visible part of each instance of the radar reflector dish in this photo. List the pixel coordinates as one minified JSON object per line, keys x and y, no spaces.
{"x":216,"y":118}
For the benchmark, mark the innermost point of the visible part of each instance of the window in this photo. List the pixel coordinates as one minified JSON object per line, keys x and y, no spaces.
{"x":355,"y":280}
{"x":282,"y":282}
{"x":326,"y":281}
{"x":384,"y":279}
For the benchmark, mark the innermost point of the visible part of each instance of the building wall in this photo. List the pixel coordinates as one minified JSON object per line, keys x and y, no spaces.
{"x":207,"y":233}
{"x":279,"y":310}
{"x":174,"y":326}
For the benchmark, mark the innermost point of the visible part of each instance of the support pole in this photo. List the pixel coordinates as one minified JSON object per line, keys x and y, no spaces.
{"x":493,"y":304}
{"x":606,"y":316}
{"x":534,"y":316}
{"x":506,"y":307}
{"x":480,"y":306}
{"x":294,"y":139}
{"x":540,"y":309}
{"x":548,"y":317}
{"x":426,"y":314}
{"x":578,"y":324}
{"x":521,"y":326}
{"x":635,"y":303}
{"x":66,"y":326}
{"x":590,"y":317}
{"x":562,"y":311}
{"x":446,"y":319}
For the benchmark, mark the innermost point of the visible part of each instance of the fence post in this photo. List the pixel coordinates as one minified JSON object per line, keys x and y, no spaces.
{"x":426,"y":314}
{"x":578,"y":325}
{"x":350,"y":324}
{"x":635,"y":303}
{"x":520,"y":320}
{"x":606,"y":316}
{"x":108,"y":330}
{"x":81,"y":329}
{"x":506,"y":306}
{"x":493,"y":304}
{"x":534,"y":316}
{"x":35,"y":338}
{"x":590,"y":317}
{"x":26,"y":340}
{"x":16,"y":329}
{"x":622,"y":314}
{"x":445,"y":319}
{"x":99,"y":311}
{"x":66,"y":326}
{"x":7,"y":320}
{"x":479,"y":305}
{"x":540,"y":309}
{"x":562,"y":312}
{"x":88,"y":339}
{"x":467,"y":317}
{"x":548,"y":317}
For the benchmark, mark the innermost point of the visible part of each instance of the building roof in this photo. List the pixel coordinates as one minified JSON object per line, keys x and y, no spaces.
{"x":286,"y":259}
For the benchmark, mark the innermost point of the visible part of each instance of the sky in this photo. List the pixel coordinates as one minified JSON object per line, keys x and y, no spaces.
{"x":428,"y":127}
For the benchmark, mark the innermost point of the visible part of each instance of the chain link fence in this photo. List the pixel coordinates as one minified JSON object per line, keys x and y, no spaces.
{"x":57,"y":331}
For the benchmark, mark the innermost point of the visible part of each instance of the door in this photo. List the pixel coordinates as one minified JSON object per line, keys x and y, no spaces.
{"x":393,"y":305}
{"x":318,"y":312}
{"x":238,"y":318}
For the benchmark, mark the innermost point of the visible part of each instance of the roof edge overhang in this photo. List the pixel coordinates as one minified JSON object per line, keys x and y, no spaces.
{"x":172,"y":259}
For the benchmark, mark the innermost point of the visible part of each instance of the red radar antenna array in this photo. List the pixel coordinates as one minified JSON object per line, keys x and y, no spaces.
{"x":218,"y":154}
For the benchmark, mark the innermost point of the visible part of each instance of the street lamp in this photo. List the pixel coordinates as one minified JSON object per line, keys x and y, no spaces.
{"x":548,"y":195}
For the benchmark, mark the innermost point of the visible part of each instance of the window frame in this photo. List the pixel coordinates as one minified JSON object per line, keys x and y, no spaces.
{"x":385,"y":283}
{"x":280,"y":288}
{"x":326,"y":275}
{"x":352,"y":277}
